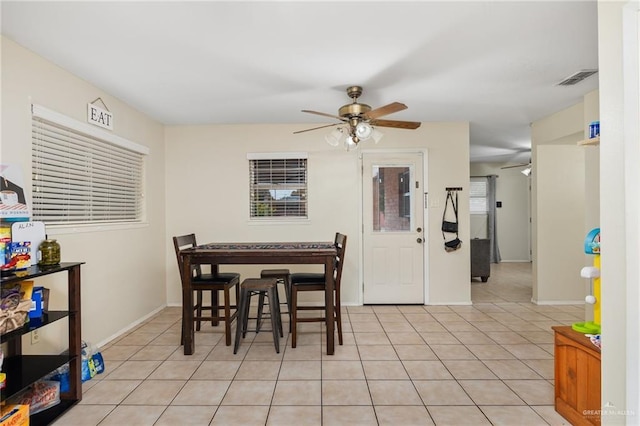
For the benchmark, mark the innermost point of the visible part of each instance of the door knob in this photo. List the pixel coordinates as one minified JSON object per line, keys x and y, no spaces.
{"x":419,"y":240}
{"x":419,"y":230}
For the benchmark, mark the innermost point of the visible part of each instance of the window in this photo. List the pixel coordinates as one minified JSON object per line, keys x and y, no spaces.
{"x":83,"y":175}
{"x":278,"y":185}
{"x":478,"y":196}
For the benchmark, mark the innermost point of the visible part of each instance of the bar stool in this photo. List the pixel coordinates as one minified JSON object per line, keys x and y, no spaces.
{"x":261,"y":287}
{"x":283,"y":276}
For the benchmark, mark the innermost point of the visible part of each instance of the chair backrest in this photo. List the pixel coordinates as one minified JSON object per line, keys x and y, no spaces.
{"x":183,"y":242}
{"x":341,"y":245}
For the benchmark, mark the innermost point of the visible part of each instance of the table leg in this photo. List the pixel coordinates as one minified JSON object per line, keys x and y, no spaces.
{"x":328,"y":300}
{"x":187,"y":307}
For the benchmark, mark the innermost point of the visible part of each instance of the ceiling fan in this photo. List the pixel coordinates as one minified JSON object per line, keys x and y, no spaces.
{"x":359,"y":120}
{"x":516,"y":165}
{"x":526,"y":171}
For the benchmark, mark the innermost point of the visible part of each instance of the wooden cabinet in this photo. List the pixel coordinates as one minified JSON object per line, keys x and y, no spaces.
{"x":577,"y":377}
{"x":24,"y":370}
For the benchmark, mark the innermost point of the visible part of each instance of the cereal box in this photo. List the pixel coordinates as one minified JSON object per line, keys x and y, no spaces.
{"x":5,"y":240}
{"x":14,"y":415}
{"x":20,"y":254}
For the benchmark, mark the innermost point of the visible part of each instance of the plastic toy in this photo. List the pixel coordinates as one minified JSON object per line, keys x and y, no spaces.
{"x":592,"y":246}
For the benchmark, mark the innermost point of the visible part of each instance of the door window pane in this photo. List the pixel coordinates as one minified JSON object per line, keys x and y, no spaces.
{"x":391,"y":199}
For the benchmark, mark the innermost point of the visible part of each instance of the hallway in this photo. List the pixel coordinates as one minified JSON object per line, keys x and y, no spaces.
{"x":509,"y":282}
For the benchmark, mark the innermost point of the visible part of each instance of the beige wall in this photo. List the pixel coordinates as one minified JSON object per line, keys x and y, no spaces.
{"x":123,"y":279}
{"x":560,"y":224}
{"x":207,"y":193}
{"x":512,"y":188}
{"x":591,"y":163}
{"x":564,"y":201}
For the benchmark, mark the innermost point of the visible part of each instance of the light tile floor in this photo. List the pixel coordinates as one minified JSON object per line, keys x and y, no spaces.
{"x":489,"y":363}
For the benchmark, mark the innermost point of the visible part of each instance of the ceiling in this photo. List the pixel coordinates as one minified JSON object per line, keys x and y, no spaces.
{"x":495,"y":64}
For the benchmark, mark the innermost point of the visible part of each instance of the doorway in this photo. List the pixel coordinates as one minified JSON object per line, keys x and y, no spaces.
{"x":393,"y":228}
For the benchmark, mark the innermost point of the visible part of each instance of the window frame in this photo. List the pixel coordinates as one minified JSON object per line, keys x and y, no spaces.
{"x":472,"y":206}
{"x":303,"y":205}
{"x":82,"y":136}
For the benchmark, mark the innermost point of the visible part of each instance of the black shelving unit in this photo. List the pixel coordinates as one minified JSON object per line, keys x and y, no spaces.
{"x":24,"y":370}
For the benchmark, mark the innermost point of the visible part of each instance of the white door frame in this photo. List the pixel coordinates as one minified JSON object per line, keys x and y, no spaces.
{"x":425,"y":204}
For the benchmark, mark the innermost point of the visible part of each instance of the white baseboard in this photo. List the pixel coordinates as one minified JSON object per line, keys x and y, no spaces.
{"x":557,"y":302}
{"x":130,"y":326}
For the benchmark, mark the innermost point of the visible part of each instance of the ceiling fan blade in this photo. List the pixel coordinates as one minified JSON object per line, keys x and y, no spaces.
{"x":385,"y":110}
{"x":411,"y":125}
{"x":316,"y":128}
{"x":324,"y":114}
{"x":517,"y":165}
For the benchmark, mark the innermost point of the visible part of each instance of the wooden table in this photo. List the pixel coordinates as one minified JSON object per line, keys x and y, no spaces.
{"x":322,"y":253}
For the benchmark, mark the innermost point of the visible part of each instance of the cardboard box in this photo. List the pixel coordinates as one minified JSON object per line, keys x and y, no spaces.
{"x":14,"y":415}
{"x":36,"y":305}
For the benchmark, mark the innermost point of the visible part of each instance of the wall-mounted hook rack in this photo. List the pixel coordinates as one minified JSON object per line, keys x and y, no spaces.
{"x":454,"y":188}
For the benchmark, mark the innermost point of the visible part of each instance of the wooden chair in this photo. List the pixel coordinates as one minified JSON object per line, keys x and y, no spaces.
{"x":316,"y":282}
{"x":213,"y":282}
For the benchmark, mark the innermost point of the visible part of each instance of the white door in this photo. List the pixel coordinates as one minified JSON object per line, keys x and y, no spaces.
{"x":393,"y":237}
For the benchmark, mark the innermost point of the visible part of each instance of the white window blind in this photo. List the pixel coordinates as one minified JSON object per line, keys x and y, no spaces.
{"x":278,"y":185}
{"x":83,"y":175}
{"x":478,"y":197}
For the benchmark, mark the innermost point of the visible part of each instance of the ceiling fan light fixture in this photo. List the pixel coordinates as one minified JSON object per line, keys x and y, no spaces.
{"x":376,"y":135}
{"x":351,"y":142}
{"x":334,"y":137}
{"x":363,"y":131}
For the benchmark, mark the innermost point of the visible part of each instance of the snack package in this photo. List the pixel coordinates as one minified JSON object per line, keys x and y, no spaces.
{"x":3,"y":253}
{"x":60,"y":375}
{"x":20,"y":255}
{"x":88,"y":369}
{"x":3,"y":377}
{"x":10,"y":290}
{"x":39,"y":396}
{"x":26,"y":289}
{"x":98,"y":362}
{"x":14,"y":311}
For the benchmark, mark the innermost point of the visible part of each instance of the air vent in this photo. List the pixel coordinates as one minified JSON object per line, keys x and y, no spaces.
{"x":577,"y":77}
